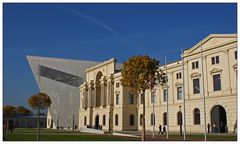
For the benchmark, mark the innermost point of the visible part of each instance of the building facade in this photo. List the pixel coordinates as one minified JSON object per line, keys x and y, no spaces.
{"x":60,"y":79}
{"x":208,"y":70}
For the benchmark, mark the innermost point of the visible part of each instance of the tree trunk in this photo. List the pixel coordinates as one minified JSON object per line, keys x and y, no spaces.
{"x":143,"y":124}
{"x":38,"y":127}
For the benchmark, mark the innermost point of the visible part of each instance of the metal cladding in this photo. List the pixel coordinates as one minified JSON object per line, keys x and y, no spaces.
{"x":60,"y":79}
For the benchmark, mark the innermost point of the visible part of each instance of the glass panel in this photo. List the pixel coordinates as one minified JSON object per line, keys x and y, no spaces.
{"x":216,"y":82}
{"x":60,"y":76}
{"x":179,"y":93}
{"x":196,"y":87}
{"x":164,"y":95}
{"x":217,"y":59}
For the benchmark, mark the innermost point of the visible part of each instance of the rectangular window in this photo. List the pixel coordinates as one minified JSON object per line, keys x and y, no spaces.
{"x":235,"y":54}
{"x":179,"y":93}
{"x":152,"y":97}
{"x":196,"y":86}
{"x":216,"y":82}
{"x":217,"y":59}
{"x":141,"y":98}
{"x":195,"y":65}
{"x":130,"y":99}
{"x":213,"y":60}
{"x":165,"y":95}
{"x":117,"y":84}
{"x":117,"y":99}
{"x":179,"y":75}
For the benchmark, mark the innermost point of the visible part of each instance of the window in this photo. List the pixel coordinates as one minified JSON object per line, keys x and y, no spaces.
{"x":196,"y":86}
{"x":152,"y":119}
{"x":235,"y":54}
{"x":141,"y":98}
{"x":179,"y":118}
{"x":117,"y":99}
{"x":215,"y":60}
{"x":141,"y":119}
{"x":216,"y":82}
{"x":196,"y":115}
{"x":165,"y":118}
{"x":130,"y":99}
{"x":104,"y":120}
{"x":195,"y":65}
{"x":152,"y":97}
{"x":131,"y":120}
{"x":85,"y":120}
{"x":117,"y":84}
{"x":179,"y":93}
{"x":179,"y":75}
{"x":164,"y":95}
{"x":116,"y":119}
{"x":60,"y":76}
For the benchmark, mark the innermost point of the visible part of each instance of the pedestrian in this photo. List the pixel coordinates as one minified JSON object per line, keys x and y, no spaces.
{"x":164,"y":130}
{"x":208,"y":126}
{"x":160,"y":129}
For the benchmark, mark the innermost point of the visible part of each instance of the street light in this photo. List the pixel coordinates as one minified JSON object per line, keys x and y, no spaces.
{"x":180,"y":120}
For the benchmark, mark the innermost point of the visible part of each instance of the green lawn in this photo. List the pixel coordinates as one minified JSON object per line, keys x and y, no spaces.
{"x":63,"y":135}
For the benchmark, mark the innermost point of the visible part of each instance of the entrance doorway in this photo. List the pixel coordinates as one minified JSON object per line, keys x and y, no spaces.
{"x":218,"y":119}
{"x":97,"y":122}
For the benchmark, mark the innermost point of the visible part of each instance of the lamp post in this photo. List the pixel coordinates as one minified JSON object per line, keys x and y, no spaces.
{"x":180,"y":120}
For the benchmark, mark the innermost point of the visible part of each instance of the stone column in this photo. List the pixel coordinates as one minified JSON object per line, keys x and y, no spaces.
{"x":94,"y":95}
{"x":89,"y":95}
{"x":86,"y":97}
{"x":102,"y":93}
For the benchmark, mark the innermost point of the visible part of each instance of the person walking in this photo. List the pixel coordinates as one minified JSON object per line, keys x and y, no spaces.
{"x":164,"y":130}
{"x":208,"y":126}
{"x":160,"y":129}
{"x":214,"y":127}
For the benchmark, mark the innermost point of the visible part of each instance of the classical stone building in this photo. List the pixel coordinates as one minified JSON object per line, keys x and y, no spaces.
{"x":208,"y":69}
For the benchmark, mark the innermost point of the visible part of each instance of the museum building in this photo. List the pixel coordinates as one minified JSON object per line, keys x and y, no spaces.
{"x":208,"y":70}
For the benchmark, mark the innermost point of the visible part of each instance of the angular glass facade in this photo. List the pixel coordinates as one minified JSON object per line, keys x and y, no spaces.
{"x":60,"y":76}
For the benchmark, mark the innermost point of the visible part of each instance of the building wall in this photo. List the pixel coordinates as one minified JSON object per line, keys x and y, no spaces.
{"x":221,"y":45}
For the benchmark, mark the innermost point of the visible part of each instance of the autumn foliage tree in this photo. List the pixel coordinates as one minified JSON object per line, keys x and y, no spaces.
{"x":9,"y":110}
{"x":22,"y":110}
{"x":140,"y":73}
{"x":39,"y":102}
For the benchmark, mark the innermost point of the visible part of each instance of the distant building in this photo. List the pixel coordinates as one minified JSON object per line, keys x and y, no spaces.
{"x":26,"y":121}
{"x":105,"y":103}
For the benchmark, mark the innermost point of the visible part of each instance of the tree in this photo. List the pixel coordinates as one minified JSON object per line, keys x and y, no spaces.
{"x":9,"y":110}
{"x":22,"y":110}
{"x":140,"y":73}
{"x":39,"y":102}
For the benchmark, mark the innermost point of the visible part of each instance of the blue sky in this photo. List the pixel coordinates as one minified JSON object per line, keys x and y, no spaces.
{"x":99,"y":32}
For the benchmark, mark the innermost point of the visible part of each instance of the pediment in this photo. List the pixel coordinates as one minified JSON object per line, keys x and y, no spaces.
{"x":212,"y":40}
{"x":195,"y":74}
{"x":215,"y":70}
{"x":178,"y":83}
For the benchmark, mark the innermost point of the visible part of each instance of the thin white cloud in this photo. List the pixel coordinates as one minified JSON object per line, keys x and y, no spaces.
{"x":99,"y":23}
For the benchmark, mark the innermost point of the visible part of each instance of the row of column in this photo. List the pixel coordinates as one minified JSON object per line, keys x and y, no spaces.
{"x":89,"y":94}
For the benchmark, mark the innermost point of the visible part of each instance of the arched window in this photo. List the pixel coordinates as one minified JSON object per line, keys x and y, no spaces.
{"x":179,"y":118}
{"x":196,"y":115}
{"x":141,"y":119}
{"x":152,"y":119}
{"x":85,"y":120}
{"x":165,"y":118}
{"x":104,"y":120}
{"x":131,"y":119}
{"x":116,"y":119}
